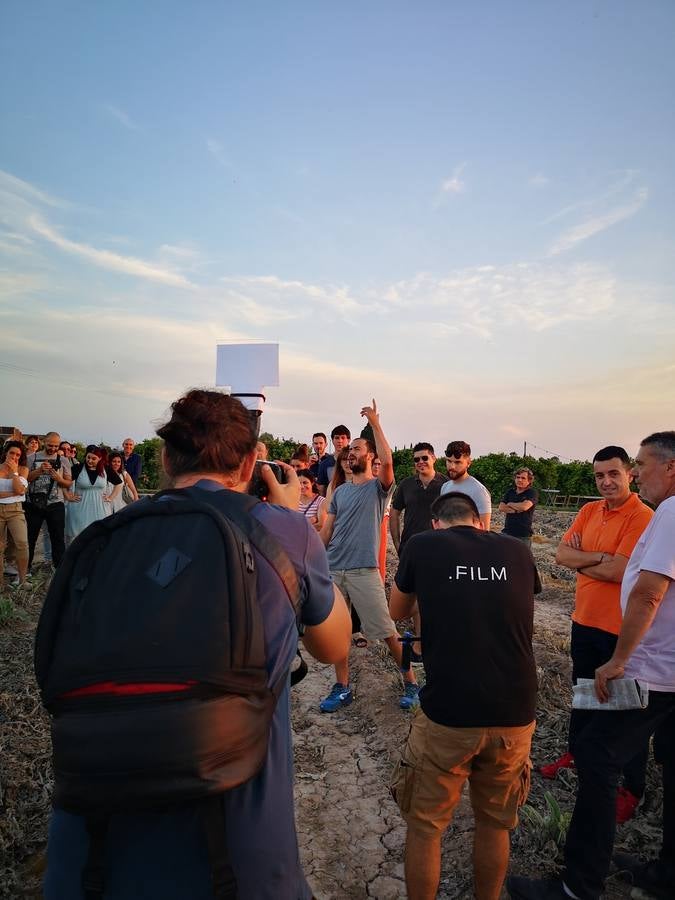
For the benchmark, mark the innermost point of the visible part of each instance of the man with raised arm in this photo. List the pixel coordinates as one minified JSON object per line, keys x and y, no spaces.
{"x":644,"y":651}
{"x":351,"y":534}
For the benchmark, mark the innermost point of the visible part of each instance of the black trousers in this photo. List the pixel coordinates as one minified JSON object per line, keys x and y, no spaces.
{"x":591,"y":648}
{"x":604,"y":747}
{"x":54,"y":515}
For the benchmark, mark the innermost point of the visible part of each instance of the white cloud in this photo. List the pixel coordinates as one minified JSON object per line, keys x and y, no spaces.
{"x":621,"y":183}
{"x":105,"y":259}
{"x":452,"y":185}
{"x":120,"y":116}
{"x":17,"y":188}
{"x":538,"y":181}
{"x":217,"y":151}
{"x":596,"y":224}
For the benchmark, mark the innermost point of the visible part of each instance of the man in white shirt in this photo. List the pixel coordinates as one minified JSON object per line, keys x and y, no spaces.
{"x":645,"y":651}
{"x":457,"y":462}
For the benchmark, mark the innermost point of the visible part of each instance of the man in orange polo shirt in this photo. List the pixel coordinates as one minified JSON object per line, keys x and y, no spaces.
{"x":597,"y":546}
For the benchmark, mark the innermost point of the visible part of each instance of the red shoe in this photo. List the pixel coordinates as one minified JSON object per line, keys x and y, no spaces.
{"x":626,"y":804}
{"x":566,"y":761}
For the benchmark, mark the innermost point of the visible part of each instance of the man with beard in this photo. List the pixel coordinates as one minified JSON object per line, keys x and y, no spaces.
{"x":457,"y":462}
{"x":351,"y":535}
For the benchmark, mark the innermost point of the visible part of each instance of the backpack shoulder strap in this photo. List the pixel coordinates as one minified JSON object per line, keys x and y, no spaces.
{"x":237,"y":507}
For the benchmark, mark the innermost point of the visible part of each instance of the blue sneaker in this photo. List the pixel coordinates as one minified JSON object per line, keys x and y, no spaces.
{"x":410,"y":699}
{"x":340,"y":695}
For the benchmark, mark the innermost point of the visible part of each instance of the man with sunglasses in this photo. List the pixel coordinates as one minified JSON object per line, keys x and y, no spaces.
{"x":48,"y":475}
{"x":414,"y":497}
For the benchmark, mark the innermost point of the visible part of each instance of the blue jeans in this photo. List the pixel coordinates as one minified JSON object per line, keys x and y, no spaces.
{"x":604,"y":747}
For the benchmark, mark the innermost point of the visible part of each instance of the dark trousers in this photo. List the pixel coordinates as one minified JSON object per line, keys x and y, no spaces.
{"x":55,"y":517}
{"x":604,"y":747}
{"x":590,"y":648}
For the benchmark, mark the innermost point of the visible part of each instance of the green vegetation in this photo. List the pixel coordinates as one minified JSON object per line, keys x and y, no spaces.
{"x":549,"y":827}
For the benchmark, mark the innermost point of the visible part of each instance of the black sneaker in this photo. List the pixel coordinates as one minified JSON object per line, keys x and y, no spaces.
{"x":520,"y":888}
{"x":655,"y":878}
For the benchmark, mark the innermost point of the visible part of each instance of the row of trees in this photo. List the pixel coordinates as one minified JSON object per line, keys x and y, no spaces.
{"x":495,"y":470}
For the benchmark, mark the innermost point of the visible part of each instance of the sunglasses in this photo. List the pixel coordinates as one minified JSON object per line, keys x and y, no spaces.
{"x":420,"y":459}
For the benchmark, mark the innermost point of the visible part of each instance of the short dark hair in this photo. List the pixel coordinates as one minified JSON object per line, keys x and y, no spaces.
{"x":370,"y":445}
{"x":208,"y":432}
{"x":32,"y":437}
{"x":320,"y":434}
{"x":341,"y":429}
{"x":423,"y":446}
{"x":612,"y":452}
{"x":305,"y":473}
{"x":453,"y":506}
{"x":662,"y":443}
{"x":458,"y":448}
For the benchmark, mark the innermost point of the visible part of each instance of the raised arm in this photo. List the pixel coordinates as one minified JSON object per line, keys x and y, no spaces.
{"x":386,"y":476}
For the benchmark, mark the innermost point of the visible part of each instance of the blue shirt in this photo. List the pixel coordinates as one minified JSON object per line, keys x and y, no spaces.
{"x":163,"y":856}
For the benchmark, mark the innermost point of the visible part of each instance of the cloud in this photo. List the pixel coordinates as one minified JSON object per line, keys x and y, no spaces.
{"x":105,"y":259}
{"x":13,"y":189}
{"x":272,"y":289}
{"x":486,"y":300}
{"x":451,"y":185}
{"x":596,"y":224}
{"x":538,"y":181}
{"x":120,"y":116}
{"x":217,"y":151}
{"x":620,"y":185}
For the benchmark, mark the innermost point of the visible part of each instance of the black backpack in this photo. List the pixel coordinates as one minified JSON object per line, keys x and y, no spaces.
{"x":150,"y":658}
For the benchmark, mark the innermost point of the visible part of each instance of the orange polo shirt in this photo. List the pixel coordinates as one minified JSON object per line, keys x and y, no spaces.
{"x":611,"y":531}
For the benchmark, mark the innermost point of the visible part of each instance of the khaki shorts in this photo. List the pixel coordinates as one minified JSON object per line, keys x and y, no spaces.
{"x":437,"y":760}
{"x":364,"y":588}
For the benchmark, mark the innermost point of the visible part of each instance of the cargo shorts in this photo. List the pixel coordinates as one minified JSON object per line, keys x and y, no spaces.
{"x":427,"y":782}
{"x":364,"y":589}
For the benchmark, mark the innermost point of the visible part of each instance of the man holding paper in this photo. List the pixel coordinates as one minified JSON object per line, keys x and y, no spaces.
{"x":596,"y":546}
{"x":645,"y":651}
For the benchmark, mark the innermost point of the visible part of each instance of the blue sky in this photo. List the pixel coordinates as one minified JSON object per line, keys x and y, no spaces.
{"x":464,"y":212}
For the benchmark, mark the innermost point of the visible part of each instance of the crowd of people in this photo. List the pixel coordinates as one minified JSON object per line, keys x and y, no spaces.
{"x":45,"y":488}
{"x":470,"y":594}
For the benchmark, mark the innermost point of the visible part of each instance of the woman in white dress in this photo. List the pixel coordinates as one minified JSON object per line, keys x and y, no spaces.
{"x":90,"y":494}
{"x":118,"y":499}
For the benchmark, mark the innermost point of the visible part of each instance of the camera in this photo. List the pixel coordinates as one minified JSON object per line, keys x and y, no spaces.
{"x":257,"y":487}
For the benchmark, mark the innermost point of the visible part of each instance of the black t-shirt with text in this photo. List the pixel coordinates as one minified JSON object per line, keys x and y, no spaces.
{"x":475,"y":591}
{"x":520,"y":524}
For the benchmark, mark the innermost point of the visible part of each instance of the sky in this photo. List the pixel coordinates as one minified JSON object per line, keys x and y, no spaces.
{"x":465,"y":211}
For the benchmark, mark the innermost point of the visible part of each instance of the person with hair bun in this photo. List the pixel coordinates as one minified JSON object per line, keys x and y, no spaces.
{"x":89,"y":499}
{"x":300,"y":458}
{"x":210,"y":447}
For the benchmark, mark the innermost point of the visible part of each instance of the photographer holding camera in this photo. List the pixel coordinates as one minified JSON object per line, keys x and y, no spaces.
{"x":48,"y":475}
{"x":209,"y":455}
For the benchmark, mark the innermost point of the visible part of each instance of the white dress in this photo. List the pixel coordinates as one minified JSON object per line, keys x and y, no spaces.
{"x":91,"y":507}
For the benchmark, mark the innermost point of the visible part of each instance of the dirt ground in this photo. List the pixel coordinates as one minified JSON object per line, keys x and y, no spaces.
{"x":350,"y":832}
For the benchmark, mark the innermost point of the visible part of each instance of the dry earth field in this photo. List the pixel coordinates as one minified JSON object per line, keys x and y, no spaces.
{"x":351,"y":836}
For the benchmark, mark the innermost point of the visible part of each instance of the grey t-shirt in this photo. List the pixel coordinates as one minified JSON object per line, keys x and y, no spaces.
{"x":43,"y":483}
{"x":474,"y":489}
{"x":358,"y":510}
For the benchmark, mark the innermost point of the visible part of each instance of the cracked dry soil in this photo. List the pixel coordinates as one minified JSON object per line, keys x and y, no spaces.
{"x":350,"y":831}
